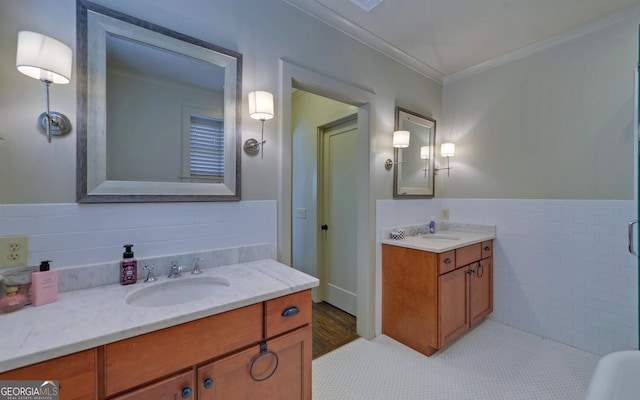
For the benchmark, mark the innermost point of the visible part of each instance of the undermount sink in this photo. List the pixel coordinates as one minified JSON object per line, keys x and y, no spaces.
{"x":177,"y":291}
{"x":439,"y":236}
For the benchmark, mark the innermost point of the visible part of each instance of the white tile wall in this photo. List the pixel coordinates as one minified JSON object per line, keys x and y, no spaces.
{"x":562,"y":269}
{"x":81,"y":234}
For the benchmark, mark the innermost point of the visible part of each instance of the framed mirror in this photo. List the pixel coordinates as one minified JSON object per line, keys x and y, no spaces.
{"x":158,"y":113}
{"x":413,"y":173}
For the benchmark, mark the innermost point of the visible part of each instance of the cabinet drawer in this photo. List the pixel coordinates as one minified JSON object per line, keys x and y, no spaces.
{"x":446,"y":262}
{"x":176,"y":387}
{"x":468,"y":254}
{"x":286,"y":313}
{"x":132,"y":362}
{"x":487,"y":249}
{"x":76,"y":374}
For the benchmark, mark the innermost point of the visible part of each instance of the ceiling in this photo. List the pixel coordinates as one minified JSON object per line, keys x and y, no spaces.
{"x":440,"y":38}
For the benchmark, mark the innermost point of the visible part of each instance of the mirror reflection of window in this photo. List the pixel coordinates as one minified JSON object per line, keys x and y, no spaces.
{"x":206,"y":148}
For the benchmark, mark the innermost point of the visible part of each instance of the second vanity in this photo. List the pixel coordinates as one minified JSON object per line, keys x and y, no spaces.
{"x":436,"y":287}
{"x":252,"y":340}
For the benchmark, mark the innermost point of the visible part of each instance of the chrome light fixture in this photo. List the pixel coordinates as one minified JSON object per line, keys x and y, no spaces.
{"x":400,"y":141}
{"x":447,"y":150}
{"x":260,"y":108}
{"x":48,"y":60}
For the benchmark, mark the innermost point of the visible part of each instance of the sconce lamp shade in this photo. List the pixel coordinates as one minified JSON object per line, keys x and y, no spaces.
{"x":44,"y":58}
{"x":261,"y":105}
{"x":401,"y":139}
{"x":424,"y":152}
{"x":448,"y":149}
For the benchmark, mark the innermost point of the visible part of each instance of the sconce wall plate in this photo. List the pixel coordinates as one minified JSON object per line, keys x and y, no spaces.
{"x":251,"y":147}
{"x":60,"y":124}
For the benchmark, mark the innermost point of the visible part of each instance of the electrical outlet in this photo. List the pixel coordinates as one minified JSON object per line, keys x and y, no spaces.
{"x":14,"y":251}
{"x":444,"y":214}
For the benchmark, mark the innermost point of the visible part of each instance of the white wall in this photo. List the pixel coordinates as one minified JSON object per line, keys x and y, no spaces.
{"x":557,"y":124}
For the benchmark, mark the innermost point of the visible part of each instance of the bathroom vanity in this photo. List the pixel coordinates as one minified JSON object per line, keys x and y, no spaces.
{"x":436,"y":287}
{"x":251,"y":341}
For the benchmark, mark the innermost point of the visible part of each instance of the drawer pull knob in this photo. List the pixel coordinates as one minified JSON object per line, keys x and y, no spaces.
{"x":487,"y":248}
{"x":471,"y":271}
{"x":290,"y":311}
{"x":208,"y":383}
{"x":186,"y":392}
{"x":448,"y":260}
{"x":263,"y":352}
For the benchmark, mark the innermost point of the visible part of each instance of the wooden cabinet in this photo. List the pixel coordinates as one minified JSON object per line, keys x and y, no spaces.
{"x":210,"y":358}
{"x":270,"y":341}
{"x":75,"y":373}
{"x":140,"y":359}
{"x":429,"y":299}
{"x":281,"y":369}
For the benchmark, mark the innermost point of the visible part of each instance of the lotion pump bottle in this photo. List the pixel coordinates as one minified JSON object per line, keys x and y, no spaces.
{"x":128,"y":267}
{"x":44,"y":285}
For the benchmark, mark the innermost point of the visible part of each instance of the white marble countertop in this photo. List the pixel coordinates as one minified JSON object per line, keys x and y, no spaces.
{"x":441,"y":241}
{"x":87,"y":318}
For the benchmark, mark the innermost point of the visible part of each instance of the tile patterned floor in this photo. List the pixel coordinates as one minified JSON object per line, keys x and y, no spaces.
{"x":491,"y":362}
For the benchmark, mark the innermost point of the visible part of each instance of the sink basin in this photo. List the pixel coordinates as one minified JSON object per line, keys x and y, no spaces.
{"x":439,"y":236}
{"x":177,"y":291}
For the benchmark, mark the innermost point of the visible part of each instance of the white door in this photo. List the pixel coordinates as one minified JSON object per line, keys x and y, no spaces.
{"x":338,"y":214}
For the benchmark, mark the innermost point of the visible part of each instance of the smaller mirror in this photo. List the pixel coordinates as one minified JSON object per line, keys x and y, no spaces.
{"x":414,"y":165}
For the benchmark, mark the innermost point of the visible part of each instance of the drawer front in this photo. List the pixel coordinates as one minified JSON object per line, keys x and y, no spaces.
{"x":446,"y":262}
{"x":76,"y":374}
{"x":487,"y":249}
{"x":176,"y":387}
{"x":286,"y":313}
{"x":468,"y":254}
{"x":135,"y":361}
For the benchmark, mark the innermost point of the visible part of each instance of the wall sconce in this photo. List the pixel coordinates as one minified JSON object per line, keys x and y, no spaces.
{"x":424,"y":154}
{"x":260,"y":108}
{"x":48,"y":60}
{"x":400,"y":141}
{"x":447,"y":150}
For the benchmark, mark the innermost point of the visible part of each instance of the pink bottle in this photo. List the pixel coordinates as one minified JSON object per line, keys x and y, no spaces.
{"x":44,"y":285}
{"x":13,"y":301}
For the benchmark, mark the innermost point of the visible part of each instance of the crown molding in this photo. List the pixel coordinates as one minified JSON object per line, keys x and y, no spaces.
{"x":539,"y":46}
{"x":331,"y":18}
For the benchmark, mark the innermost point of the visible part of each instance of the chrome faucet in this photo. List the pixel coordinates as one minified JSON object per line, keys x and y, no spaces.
{"x":196,"y":266}
{"x":175,"y":270}
{"x":150,"y":276}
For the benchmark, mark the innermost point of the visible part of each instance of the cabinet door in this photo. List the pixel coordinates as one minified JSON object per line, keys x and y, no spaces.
{"x":453,"y":316}
{"x":76,"y":374}
{"x":174,"y":388}
{"x":234,"y":377}
{"x":481,"y":290}
{"x":135,"y":361}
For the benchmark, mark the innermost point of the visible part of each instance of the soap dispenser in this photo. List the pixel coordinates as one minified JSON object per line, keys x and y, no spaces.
{"x":44,"y":285}
{"x":128,"y":267}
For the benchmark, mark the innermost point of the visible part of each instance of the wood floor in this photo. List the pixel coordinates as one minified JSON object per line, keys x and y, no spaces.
{"x":332,"y":328}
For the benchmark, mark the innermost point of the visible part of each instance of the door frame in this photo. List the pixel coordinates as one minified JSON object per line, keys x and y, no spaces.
{"x":293,"y":76}
{"x":321,"y":248}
